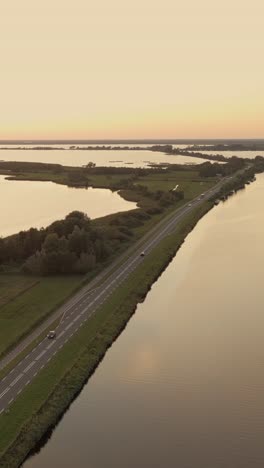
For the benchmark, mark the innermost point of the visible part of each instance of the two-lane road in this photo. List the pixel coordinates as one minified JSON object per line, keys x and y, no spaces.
{"x":81,"y":307}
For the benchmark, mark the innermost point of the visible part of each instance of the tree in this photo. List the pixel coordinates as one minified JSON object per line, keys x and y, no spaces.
{"x":51,"y":243}
{"x":33,"y":264}
{"x":85,"y":263}
{"x":90,"y":165}
{"x":78,"y":241}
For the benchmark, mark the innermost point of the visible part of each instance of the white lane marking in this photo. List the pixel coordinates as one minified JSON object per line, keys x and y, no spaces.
{"x":2,"y":411}
{"x":29,"y":367}
{"x":16,"y":380}
{"x":40,"y":355}
{"x":50,"y":345}
{"x":10,"y":401}
{"x":4,"y":392}
{"x":27,"y":382}
{"x":68,"y":326}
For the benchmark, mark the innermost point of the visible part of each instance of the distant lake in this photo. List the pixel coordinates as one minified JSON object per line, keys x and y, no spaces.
{"x":27,"y":204}
{"x":114,"y":158}
{"x":120,"y":158}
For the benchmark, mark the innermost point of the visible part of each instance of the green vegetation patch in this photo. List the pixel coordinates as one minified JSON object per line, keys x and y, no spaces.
{"x":187,"y":181}
{"x":26,"y":310}
{"x":12,"y":286}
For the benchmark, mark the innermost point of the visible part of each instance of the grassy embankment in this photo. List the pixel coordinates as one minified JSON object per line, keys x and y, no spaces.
{"x":45,"y":399}
{"x":25,"y":301}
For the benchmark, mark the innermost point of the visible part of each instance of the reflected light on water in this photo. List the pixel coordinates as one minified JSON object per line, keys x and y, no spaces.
{"x":27,"y":204}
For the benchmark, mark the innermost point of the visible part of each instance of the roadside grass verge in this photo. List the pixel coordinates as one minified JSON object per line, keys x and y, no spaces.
{"x":51,"y":392}
{"x":19,"y":357}
{"x":25,"y":311}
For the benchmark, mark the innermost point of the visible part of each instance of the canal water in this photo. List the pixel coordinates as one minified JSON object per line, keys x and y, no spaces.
{"x":183,"y":386}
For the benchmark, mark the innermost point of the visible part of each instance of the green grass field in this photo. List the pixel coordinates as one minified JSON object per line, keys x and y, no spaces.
{"x":98,"y":180}
{"x":13,"y":286}
{"x":188,"y":181}
{"x":26,"y":301}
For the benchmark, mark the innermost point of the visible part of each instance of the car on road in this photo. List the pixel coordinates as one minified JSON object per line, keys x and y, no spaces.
{"x":189,"y":204}
{"x":142,"y":254}
{"x":51,"y":335}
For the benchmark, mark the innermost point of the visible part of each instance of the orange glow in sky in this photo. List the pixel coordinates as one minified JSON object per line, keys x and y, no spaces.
{"x":139,"y":69}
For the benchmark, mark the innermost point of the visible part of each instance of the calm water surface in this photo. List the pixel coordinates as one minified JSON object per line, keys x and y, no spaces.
{"x":27,"y":204}
{"x":119,"y":158}
{"x":183,"y":386}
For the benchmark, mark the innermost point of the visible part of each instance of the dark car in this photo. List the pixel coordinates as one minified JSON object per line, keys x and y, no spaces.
{"x":51,"y":335}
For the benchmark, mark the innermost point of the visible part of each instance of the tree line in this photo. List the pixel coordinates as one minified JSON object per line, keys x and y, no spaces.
{"x":71,"y":245}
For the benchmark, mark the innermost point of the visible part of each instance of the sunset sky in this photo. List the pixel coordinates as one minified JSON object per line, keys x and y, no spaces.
{"x":131,"y":69}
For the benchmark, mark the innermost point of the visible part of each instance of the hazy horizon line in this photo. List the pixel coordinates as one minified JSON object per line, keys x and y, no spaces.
{"x":125,"y":140}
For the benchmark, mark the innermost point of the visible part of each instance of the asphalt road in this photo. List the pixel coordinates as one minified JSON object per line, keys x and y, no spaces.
{"x":81,"y":307}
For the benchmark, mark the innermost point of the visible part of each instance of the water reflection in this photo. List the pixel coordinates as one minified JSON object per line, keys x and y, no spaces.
{"x":120,"y":158}
{"x":183,"y":386}
{"x":37,"y":204}
{"x":106,"y":158}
